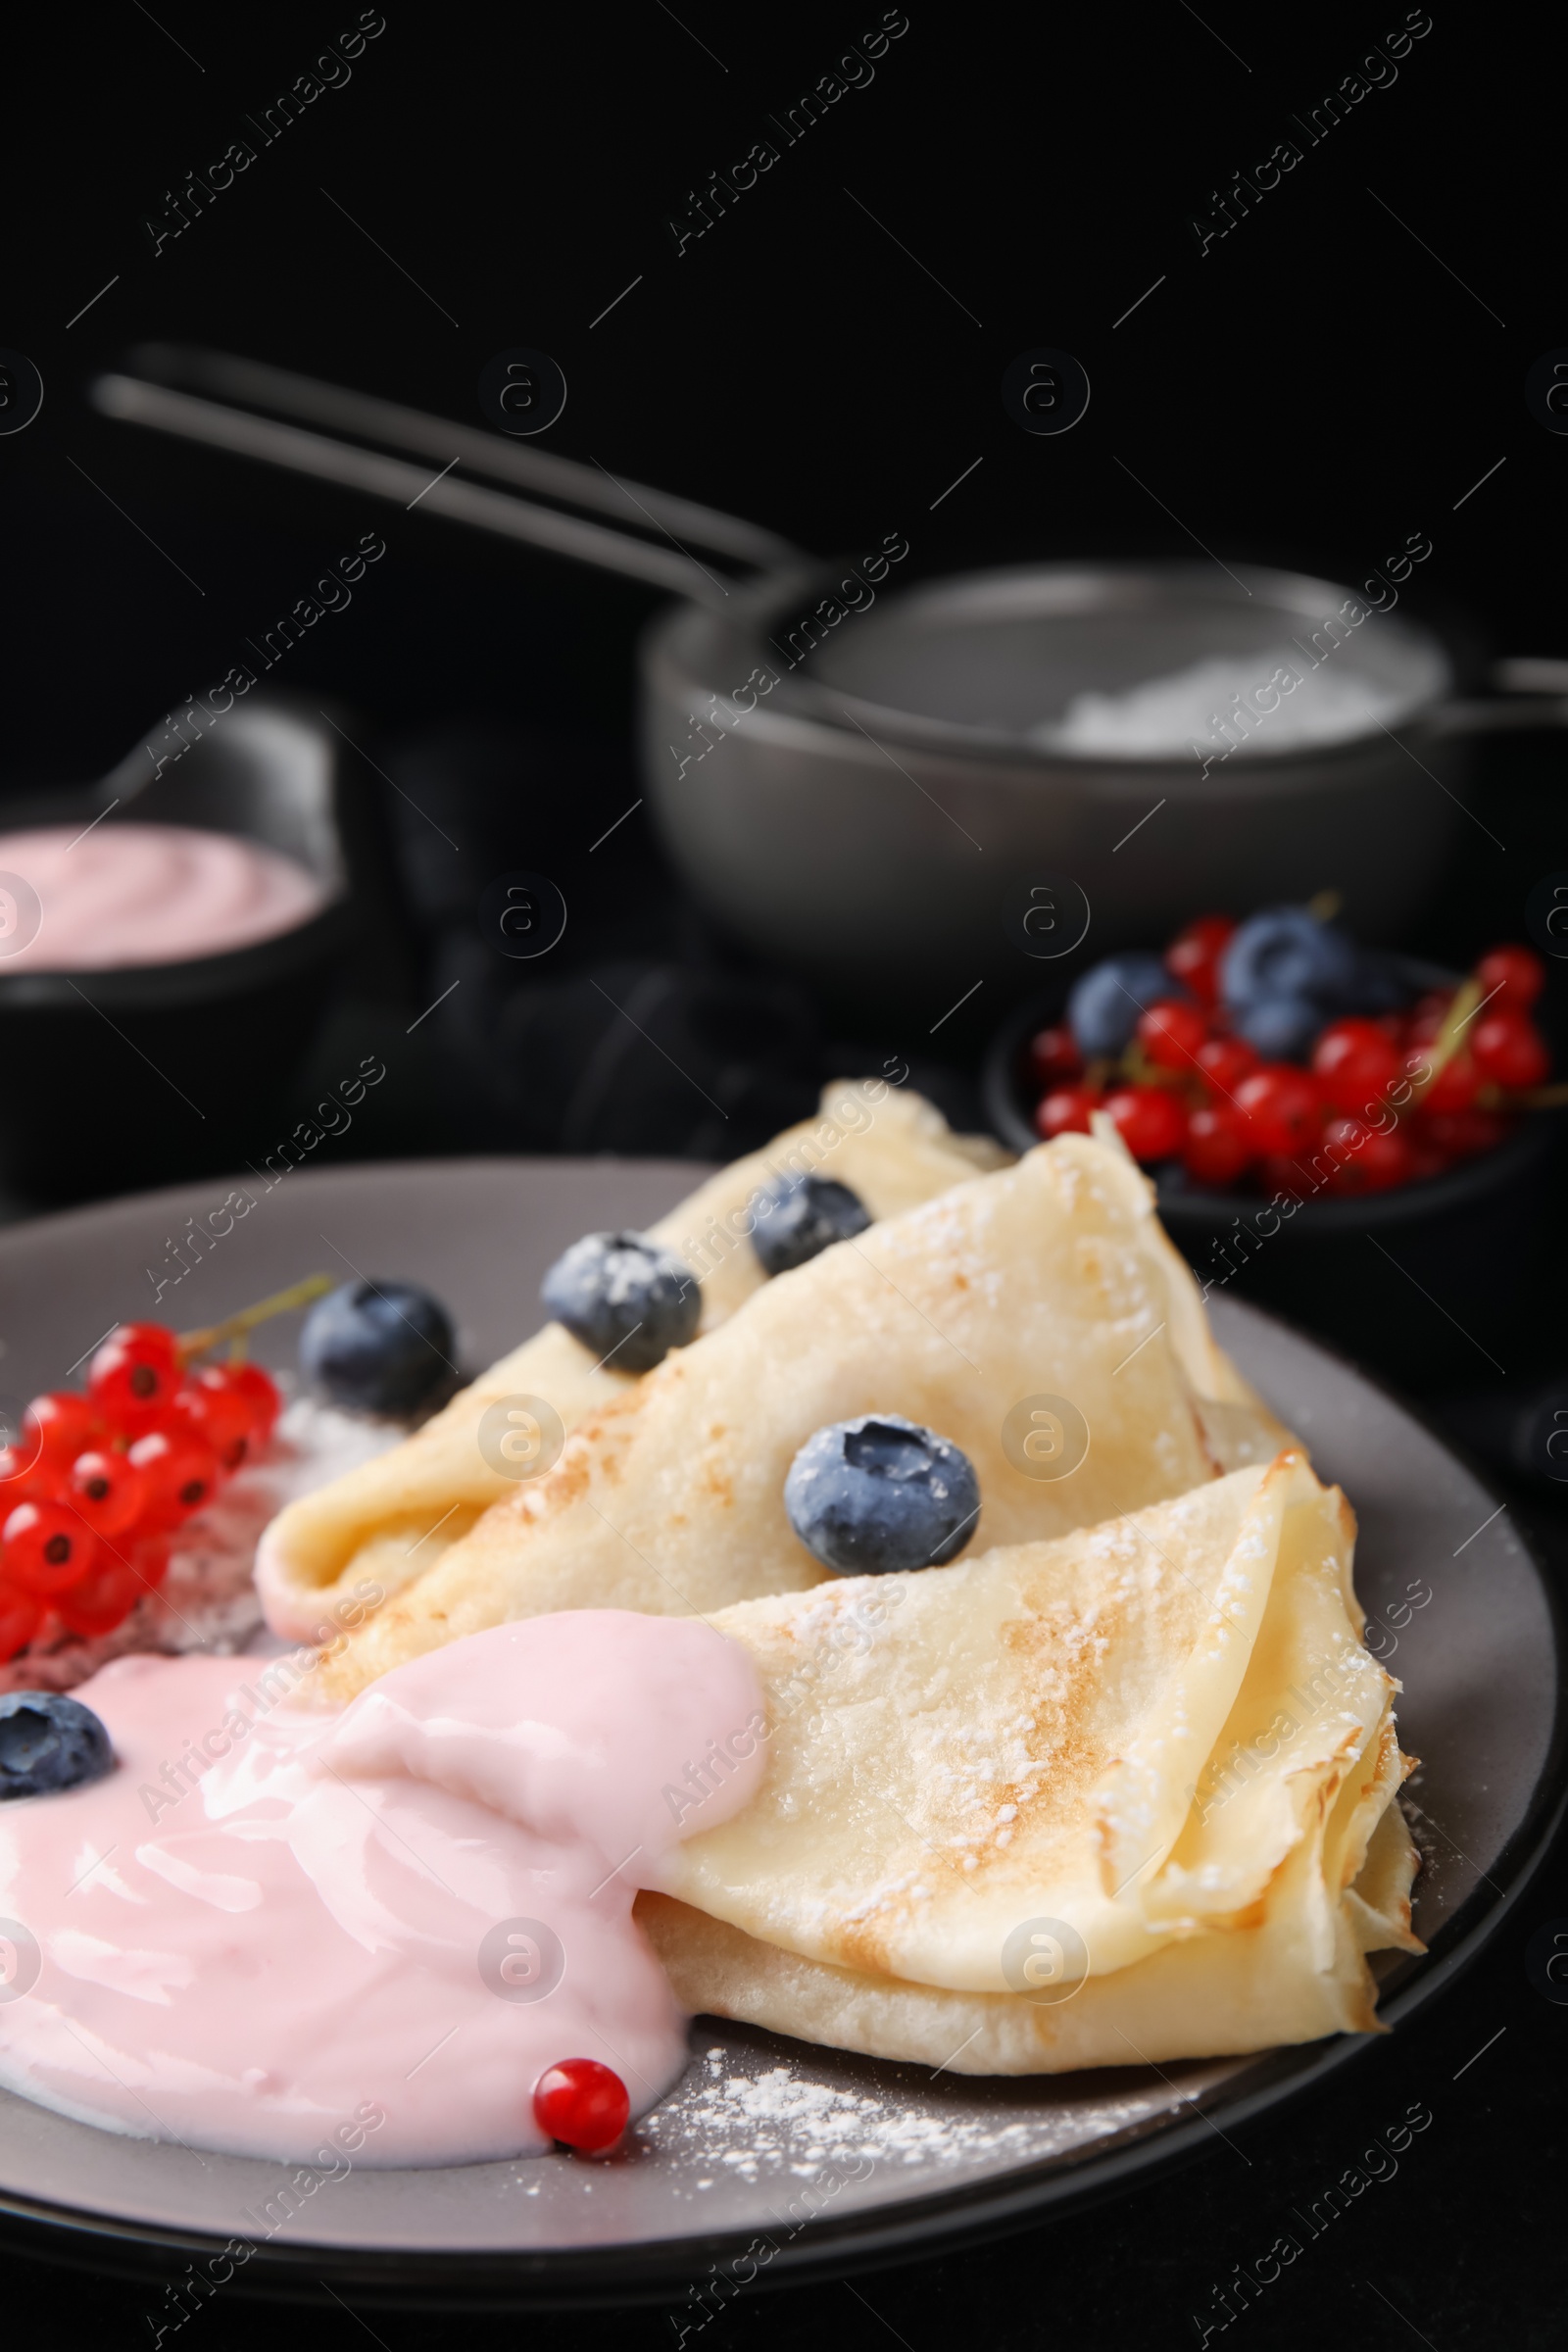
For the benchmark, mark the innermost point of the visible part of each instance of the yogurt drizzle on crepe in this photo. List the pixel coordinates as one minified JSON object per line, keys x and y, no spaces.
{"x":353,"y":1912}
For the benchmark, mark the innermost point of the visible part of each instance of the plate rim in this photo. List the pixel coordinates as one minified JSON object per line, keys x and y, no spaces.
{"x":655,"y":2270}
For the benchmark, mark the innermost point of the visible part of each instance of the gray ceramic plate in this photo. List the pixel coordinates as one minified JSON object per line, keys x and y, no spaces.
{"x":772,"y":2158}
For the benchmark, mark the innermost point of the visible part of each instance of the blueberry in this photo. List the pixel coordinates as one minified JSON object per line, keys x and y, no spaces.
{"x":879,"y":1493}
{"x":1281,"y":1028}
{"x":625,"y":1296}
{"x":1288,"y":952}
{"x":49,"y":1742}
{"x":798,"y":1218}
{"x":379,"y":1348}
{"x":1105,"y":1002}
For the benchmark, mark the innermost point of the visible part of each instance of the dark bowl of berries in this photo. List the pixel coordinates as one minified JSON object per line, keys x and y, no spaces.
{"x":1357,"y":1137}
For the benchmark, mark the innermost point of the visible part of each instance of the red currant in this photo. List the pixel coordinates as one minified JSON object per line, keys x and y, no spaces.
{"x":134,"y":1375}
{"x":58,"y":1426}
{"x":1171,"y":1034}
{"x":46,"y":1548}
{"x":1283,"y":1107}
{"x":180,"y":1473}
{"x":1509,"y":1048}
{"x":1427,"y":1016}
{"x":1426,"y":1160}
{"x":1220,"y":1145}
{"x":582,"y":2103}
{"x":1514,"y":973}
{"x":1367,"y":1159}
{"x":24,"y":1478}
{"x":106,"y":1490}
{"x":1193,"y":957}
{"x":1354,"y":1063}
{"x":1277,"y":1172}
{"x":1066,"y":1110}
{"x":216,"y":1412}
{"x":1459,"y":1134}
{"x":261,"y":1394}
{"x":1149,"y":1121}
{"x":147,"y":1558}
{"x":1455,"y":1086}
{"x":1225,"y":1061}
{"x":101,"y":1601}
{"x":20,"y":1615}
{"x":1053,"y":1056}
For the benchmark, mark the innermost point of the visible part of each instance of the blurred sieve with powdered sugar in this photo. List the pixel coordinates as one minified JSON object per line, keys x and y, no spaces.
{"x":1273,"y":701}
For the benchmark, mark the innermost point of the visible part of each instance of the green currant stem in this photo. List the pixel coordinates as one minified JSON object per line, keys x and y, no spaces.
{"x":234,"y":1327}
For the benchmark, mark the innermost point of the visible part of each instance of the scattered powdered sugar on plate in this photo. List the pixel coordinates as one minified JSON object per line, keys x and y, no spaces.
{"x":207,"y":1601}
{"x":785,"y":2122}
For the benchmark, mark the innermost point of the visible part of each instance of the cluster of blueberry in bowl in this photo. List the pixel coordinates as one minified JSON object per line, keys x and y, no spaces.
{"x":1246,"y":1049}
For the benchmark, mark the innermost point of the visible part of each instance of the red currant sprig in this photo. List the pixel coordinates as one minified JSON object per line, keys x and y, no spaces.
{"x":96,"y":1484}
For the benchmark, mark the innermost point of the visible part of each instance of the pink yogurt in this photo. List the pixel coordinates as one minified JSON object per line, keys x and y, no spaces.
{"x":126,"y":894}
{"x":380,"y":1926}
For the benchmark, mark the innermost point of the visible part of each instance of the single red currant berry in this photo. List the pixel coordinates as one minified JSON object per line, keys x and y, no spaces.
{"x":1366,"y":1159}
{"x":260,"y":1394}
{"x":582,"y":2103}
{"x":133,"y":1376}
{"x":1149,"y":1121}
{"x":1426,"y":1160}
{"x":1224,"y":1061}
{"x":20,"y":1617}
{"x":180,"y":1473}
{"x":58,"y":1426}
{"x":1194,"y":955}
{"x":217,"y":1413}
{"x":1171,"y":1034}
{"x":45,"y":1549}
{"x":1278,"y":1172}
{"x":101,"y":1601}
{"x":1427,"y":1016}
{"x":147,"y":1558}
{"x":106,"y":1490}
{"x":1455,"y":1086}
{"x":1354,"y":1063}
{"x":1053,"y":1056}
{"x":1460,"y":1134}
{"x":1283,"y":1107}
{"x":1508,"y":1049}
{"x":1220,"y":1145}
{"x":24,"y":1478}
{"x":1515,"y":975}
{"x":1066,"y":1110}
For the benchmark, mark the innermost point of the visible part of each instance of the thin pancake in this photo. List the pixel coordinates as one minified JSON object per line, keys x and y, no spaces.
{"x":1159,"y":1744}
{"x":1047,"y":1280}
{"x":386,"y":1524}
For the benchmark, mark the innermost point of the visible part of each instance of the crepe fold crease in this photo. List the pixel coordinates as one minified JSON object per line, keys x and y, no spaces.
{"x":386,"y":1524}
{"x":1041,"y":1284}
{"x":1120,"y":1798}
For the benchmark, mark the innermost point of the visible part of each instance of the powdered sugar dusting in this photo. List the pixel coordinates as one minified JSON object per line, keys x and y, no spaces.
{"x":742,"y":2114}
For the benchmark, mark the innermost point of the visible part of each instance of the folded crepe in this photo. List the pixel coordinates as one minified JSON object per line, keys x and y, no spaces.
{"x":1126,"y":1796}
{"x":1047,"y":1281}
{"x":386,"y":1523}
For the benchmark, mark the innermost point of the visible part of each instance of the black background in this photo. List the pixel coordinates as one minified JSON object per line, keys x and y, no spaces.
{"x":1322,"y":383}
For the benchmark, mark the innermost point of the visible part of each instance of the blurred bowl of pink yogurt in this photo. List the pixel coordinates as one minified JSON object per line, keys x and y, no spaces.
{"x":170,"y":942}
